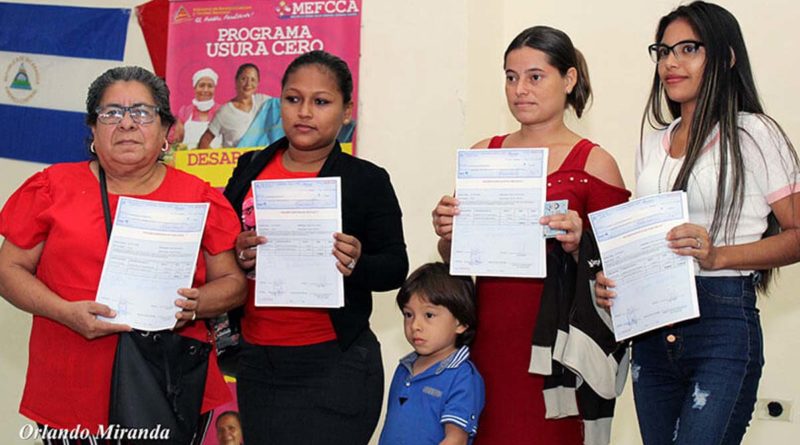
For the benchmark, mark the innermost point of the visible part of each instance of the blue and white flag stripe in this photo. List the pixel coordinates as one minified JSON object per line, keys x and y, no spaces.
{"x":46,"y":136}
{"x":86,"y":33}
{"x":48,"y":57}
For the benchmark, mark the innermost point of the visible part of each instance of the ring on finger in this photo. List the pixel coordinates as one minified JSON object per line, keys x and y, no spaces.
{"x":241,"y":256}
{"x":352,"y":264}
{"x":699,"y":243}
{"x":194,"y":315}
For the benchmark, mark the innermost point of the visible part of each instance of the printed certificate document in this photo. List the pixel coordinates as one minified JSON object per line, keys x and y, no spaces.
{"x":296,"y":266}
{"x":655,"y":287}
{"x":501,"y":195}
{"x":152,"y":253}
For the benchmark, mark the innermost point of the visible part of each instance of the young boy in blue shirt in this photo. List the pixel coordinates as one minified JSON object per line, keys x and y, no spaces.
{"x":436,"y":394}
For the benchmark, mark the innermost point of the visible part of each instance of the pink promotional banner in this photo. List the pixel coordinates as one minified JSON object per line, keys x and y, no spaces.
{"x":225,"y":51}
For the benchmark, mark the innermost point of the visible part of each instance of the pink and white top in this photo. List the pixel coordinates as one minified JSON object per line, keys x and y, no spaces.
{"x":770,"y":175}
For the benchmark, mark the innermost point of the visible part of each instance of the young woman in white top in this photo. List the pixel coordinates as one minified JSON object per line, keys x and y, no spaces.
{"x":233,"y":118}
{"x":695,"y":382}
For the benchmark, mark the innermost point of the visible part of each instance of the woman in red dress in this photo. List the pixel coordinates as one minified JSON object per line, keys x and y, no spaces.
{"x":545,"y":74}
{"x":55,"y":247}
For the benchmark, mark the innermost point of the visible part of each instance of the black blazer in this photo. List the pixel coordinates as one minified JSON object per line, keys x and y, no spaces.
{"x":370,"y":212}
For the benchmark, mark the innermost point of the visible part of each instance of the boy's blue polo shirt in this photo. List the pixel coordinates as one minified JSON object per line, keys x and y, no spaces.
{"x":419,"y":406}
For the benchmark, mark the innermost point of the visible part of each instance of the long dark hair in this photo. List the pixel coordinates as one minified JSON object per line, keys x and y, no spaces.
{"x":726,"y":90}
{"x":562,"y":55}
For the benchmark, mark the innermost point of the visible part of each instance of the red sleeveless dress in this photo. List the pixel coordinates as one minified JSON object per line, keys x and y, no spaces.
{"x":507,"y":312}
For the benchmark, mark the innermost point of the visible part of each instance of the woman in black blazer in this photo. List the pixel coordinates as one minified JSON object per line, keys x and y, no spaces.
{"x":314,"y":376}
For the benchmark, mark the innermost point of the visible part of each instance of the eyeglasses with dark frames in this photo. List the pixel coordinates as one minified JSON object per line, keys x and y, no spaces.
{"x":140,"y":113}
{"x":683,"y":50}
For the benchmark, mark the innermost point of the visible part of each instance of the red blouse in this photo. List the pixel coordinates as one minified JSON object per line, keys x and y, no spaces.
{"x":282,"y":326}
{"x":586,"y":193}
{"x":69,"y":377}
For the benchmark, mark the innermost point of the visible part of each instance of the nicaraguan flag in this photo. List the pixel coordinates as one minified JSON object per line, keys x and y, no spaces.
{"x":48,"y":57}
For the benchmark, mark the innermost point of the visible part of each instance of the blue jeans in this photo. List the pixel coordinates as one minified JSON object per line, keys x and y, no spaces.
{"x":696,"y":382}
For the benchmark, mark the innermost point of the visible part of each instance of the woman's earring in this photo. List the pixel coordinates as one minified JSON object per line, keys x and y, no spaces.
{"x":165,"y":148}
{"x":91,"y":148}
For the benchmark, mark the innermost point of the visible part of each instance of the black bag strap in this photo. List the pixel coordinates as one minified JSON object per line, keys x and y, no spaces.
{"x":101,"y":174}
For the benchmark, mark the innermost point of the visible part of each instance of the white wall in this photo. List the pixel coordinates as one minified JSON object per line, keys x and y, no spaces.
{"x":432,"y":82}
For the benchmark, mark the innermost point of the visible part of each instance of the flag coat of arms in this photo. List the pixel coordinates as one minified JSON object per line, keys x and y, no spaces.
{"x":49,"y":56}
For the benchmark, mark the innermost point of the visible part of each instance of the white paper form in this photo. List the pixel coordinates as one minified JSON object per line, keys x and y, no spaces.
{"x":296,"y":267}
{"x":501,"y":194}
{"x":151,"y":254}
{"x":655,"y":287}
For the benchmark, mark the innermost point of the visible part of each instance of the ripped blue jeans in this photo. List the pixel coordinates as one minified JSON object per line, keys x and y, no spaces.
{"x":695,"y":383}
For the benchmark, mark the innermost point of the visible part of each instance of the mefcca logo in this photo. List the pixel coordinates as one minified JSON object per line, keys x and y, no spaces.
{"x":324,"y":8}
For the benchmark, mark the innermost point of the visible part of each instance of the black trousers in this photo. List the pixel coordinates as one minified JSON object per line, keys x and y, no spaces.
{"x":309,"y":395}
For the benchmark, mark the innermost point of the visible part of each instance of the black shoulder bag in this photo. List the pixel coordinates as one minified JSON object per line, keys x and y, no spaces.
{"x":158,"y":378}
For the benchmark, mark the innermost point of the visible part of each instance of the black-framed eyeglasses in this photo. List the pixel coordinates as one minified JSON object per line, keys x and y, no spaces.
{"x":140,"y":113}
{"x":683,"y":50}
